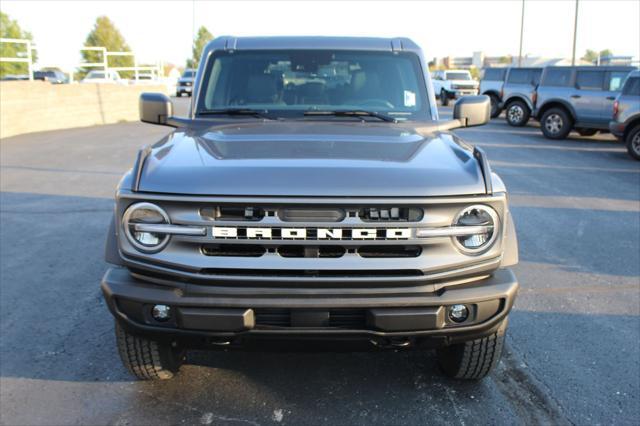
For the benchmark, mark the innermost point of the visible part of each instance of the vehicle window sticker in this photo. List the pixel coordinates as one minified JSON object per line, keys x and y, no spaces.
{"x":409,"y":98}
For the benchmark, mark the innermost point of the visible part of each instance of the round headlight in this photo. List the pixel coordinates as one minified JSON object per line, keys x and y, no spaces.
{"x":482,"y":218}
{"x":145,"y":213}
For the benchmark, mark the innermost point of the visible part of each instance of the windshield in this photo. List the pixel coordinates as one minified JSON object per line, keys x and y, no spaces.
{"x":189,"y":74}
{"x":96,"y":74}
{"x":458,"y":76}
{"x":288,"y":83}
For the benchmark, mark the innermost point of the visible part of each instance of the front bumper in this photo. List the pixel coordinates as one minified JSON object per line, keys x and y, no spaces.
{"x":458,"y":93}
{"x":184,"y":89}
{"x":203,"y":313}
{"x":617,"y":129}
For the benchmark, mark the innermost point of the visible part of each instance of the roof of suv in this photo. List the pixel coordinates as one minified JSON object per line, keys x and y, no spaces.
{"x":313,"y":42}
{"x":595,"y":67}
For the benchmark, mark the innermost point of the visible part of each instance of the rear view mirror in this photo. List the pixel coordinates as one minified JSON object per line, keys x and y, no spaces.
{"x":473,"y":110}
{"x":155,"y":108}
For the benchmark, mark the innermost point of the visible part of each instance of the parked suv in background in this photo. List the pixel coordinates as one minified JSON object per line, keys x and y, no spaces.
{"x":52,"y":76}
{"x":185,"y":82}
{"x":491,"y":85}
{"x":338,"y":209}
{"x":452,"y":84}
{"x":626,"y":115}
{"x":579,"y":98}
{"x":519,"y":94}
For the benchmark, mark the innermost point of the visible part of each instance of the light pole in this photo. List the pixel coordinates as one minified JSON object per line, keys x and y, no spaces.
{"x":575,"y":31}
{"x":521,"y":34}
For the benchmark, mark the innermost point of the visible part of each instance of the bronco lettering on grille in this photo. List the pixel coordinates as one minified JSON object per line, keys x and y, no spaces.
{"x":262,"y":233}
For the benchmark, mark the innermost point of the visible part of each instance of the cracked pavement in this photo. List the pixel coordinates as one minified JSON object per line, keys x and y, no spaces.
{"x":572,"y":353}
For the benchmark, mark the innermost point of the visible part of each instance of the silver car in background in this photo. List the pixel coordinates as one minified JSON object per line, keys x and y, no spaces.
{"x":185,"y":82}
{"x":519,"y":94}
{"x":491,"y":85}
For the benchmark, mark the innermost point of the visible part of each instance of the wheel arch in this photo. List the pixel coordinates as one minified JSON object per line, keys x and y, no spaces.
{"x":518,"y":97}
{"x":631,"y":124}
{"x":491,"y":92}
{"x":553,"y":103}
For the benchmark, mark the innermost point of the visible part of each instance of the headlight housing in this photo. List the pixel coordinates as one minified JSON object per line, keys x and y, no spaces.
{"x":488,"y":223}
{"x":148,"y":214}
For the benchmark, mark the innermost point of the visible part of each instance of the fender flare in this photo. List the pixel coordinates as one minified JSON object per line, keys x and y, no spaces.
{"x":111,"y":251}
{"x":562,"y":102}
{"x":518,"y":97}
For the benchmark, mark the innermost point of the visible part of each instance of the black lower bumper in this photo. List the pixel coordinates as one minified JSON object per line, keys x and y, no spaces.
{"x":201,"y":316}
{"x":617,"y":129}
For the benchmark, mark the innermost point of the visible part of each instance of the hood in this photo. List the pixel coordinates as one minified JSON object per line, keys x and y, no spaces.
{"x":319,"y":158}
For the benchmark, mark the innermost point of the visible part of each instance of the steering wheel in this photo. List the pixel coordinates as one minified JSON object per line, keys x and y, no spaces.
{"x":376,"y":103}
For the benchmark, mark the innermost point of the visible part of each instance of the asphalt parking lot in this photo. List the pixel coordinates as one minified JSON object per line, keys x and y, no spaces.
{"x":572,"y":354}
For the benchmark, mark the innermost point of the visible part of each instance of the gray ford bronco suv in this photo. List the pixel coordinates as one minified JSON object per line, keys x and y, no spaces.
{"x":312,"y":194}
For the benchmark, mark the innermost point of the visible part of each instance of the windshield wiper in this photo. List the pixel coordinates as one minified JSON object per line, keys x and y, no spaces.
{"x":238,"y":111}
{"x":352,"y":113}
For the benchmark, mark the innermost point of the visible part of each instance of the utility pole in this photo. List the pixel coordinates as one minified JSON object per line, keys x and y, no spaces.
{"x":521,"y":34}
{"x":575,"y":32}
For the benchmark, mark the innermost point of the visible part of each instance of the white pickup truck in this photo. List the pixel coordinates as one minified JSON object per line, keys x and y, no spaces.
{"x":452,"y":84}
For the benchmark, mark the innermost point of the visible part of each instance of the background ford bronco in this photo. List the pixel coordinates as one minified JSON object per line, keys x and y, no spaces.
{"x":311,"y":194}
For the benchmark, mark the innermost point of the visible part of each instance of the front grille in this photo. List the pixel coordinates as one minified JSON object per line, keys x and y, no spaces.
{"x":233,"y":250}
{"x":389,"y":251}
{"x":310,"y":251}
{"x":338,"y":318}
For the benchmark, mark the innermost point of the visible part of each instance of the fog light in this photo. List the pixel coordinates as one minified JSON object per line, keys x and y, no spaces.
{"x":458,"y":313}
{"x":161,"y":313}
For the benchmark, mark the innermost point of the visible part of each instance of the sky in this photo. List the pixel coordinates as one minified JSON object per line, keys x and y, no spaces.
{"x":163,"y":30}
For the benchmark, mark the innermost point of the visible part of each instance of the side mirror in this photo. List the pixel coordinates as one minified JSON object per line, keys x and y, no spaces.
{"x":473,"y":110}
{"x":155,"y":108}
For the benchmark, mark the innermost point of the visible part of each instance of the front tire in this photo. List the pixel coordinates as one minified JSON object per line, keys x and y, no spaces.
{"x":633,"y":142}
{"x":147,"y":359}
{"x":474,"y":359}
{"x":495,"y":106}
{"x":444,"y":97}
{"x":556,"y":123}
{"x":517,"y":114}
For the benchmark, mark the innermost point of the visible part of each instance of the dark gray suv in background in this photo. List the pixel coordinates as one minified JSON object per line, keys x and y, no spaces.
{"x":491,"y":85}
{"x":312,"y":193}
{"x":519,"y":94}
{"x":579,"y":98}
{"x":626,"y":115}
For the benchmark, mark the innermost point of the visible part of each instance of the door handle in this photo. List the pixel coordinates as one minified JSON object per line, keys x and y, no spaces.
{"x":611,"y":98}
{"x":576,"y":96}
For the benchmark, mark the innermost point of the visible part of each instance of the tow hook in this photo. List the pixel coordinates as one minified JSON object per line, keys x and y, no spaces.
{"x":393,"y":343}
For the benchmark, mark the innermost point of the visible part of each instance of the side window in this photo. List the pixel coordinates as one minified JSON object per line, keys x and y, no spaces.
{"x":535,"y":76}
{"x":517,"y":76}
{"x":590,"y":80}
{"x":557,"y":77}
{"x":615,"y":80}
{"x":493,"y":74}
{"x":632,"y":87}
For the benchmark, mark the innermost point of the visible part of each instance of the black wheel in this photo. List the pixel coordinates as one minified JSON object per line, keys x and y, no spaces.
{"x":633,"y":142}
{"x":495,"y":107}
{"x":178,"y":94}
{"x":147,"y":359}
{"x":556,"y":123}
{"x":444,"y":98}
{"x":587,"y":132}
{"x":474,"y":359}
{"x":517,"y":113}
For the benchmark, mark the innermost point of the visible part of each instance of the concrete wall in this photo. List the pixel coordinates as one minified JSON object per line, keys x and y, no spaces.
{"x":36,"y":106}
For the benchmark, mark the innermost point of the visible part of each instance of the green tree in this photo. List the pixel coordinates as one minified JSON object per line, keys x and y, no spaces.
{"x":202,"y":38}
{"x":105,"y":34}
{"x":592,"y":55}
{"x":9,"y":28}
